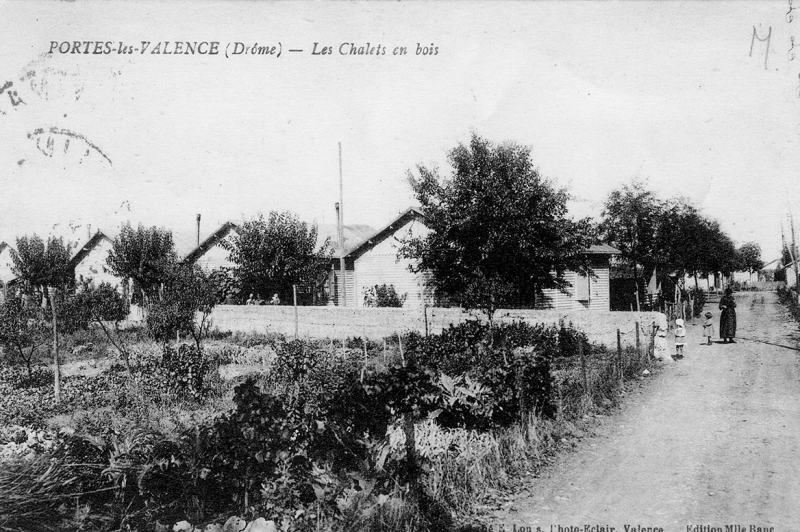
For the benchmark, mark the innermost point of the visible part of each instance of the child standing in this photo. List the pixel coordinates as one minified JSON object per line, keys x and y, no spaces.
{"x":708,"y":327}
{"x":680,"y":338}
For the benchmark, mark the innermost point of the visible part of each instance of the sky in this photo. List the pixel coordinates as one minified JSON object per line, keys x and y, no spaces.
{"x":676,"y":94}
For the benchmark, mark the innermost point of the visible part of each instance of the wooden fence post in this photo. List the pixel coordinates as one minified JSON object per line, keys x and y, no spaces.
{"x":522,"y":392}
{"x":364,"y":343}
{"x":296,"y":321}
{"x":638,"y":344}
{"x":400,"y":345}
{"x":619,"y":355}
{"x":652,"y":350}
{"x":583,"y":369}
{"x":56,"y":362}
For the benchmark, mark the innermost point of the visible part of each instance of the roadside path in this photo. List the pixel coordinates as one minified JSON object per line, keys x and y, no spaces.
{"x":714,"y":441}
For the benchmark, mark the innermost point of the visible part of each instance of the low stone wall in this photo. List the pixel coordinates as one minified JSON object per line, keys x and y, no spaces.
{"x":338,"y":322}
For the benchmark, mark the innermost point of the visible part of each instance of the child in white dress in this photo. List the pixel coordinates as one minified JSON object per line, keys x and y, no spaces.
{"x":680,"y":338}
{"x":708,"y":328}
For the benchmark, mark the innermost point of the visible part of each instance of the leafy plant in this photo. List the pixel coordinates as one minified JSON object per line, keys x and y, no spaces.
{"x":383,"y":296}
{"x":185,"y":305}
{"x":184,"y":369}
{"x":104,"y":305}
{"x":22,"y":332}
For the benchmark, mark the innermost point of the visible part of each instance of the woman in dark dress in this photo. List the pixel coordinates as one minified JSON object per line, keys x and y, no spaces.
{"x":727,"y":318}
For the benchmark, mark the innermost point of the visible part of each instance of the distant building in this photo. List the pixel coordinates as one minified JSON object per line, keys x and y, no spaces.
{"x":210,"y":254}
{"x":586,"y":292}
{"x":375,"y":260}
{"x":6,"y":264}
{"x":89,"y":263}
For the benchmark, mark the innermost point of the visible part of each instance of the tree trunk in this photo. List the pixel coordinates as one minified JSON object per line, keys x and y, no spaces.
{"x":56,"y":363}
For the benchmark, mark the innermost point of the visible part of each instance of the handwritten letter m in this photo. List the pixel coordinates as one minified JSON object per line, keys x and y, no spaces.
{"x":765,"y":39}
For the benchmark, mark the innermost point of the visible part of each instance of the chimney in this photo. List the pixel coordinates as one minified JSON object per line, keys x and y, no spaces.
{"x":198,"y":229}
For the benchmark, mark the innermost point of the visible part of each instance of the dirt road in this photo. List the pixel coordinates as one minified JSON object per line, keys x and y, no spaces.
{"x":714,"y":441}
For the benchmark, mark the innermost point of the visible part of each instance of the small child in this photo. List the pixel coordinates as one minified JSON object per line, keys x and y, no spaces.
{"x":680,"y":338}
{"x":708,"y":327}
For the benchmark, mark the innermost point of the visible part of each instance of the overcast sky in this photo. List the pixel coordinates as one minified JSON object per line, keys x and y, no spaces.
{"x":601,"y":92}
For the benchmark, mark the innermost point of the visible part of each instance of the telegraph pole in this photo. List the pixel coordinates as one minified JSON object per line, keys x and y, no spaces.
{"x":342,"y":277}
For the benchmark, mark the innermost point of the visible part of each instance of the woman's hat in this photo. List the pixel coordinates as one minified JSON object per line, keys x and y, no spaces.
{"x":679,"y":322}
{"x":709,"y":315}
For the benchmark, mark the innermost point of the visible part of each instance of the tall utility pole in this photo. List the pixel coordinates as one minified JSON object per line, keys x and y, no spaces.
{"x":342,"y":277}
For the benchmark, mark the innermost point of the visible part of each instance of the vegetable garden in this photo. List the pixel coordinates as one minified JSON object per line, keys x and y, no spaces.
{"x":410,"y":433}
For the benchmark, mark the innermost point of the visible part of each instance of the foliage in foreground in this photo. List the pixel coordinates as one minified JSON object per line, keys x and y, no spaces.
{"x":322,"y":440}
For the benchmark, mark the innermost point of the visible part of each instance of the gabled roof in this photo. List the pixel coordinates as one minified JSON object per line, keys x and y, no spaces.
{"x":210,"y":241}
{"x":3,"y":246}
{"x":412,"y":213}
{"x":602,"y":249}
{"x":354,"y":236}
{"x":771,"y":263}
{"x":86,"y":248}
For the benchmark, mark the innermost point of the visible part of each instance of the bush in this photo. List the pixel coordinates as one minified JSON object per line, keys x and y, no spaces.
{"x":486,"y":355}
{"x":177,"y":372}
{"x":383,"y":296}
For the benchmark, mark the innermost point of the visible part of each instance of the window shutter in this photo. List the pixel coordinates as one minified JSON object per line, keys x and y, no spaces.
{"x":582,"y":287}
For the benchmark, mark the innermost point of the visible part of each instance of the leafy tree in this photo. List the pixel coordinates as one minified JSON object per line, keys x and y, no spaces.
{"x":272,"y":254}
{"x":722,"y":256}
{"x":750,"y":257}
{"x":188,"y":299}
{"x":146,"y":256}
{"x":682,"y":240}
{"x":104,"y":305}
{"x":40,"y":263}
{"x":630,"y":222}
{"x":499,"y":230}
{"x":22,"y":331}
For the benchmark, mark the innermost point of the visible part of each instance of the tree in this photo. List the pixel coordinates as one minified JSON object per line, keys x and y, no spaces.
{"x":105,"y":305}
{"x":499,"y":230}
{"x":189,"y":296}
{"x":722,"y":255}
{"x":146,"y":256}
{"x":630,"y":222}
{"x":22,"y":331}
{"x":42,"y":264}
{"x":750,"y":257}
{"x":682,"y":239}
{"x":272,"y":254}
{"x":188,"y":299}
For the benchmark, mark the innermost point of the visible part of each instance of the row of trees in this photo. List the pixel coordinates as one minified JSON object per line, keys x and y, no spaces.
{"x":501,"y":234}
{"x":270,"y":254}
{"x":670,"y":236}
